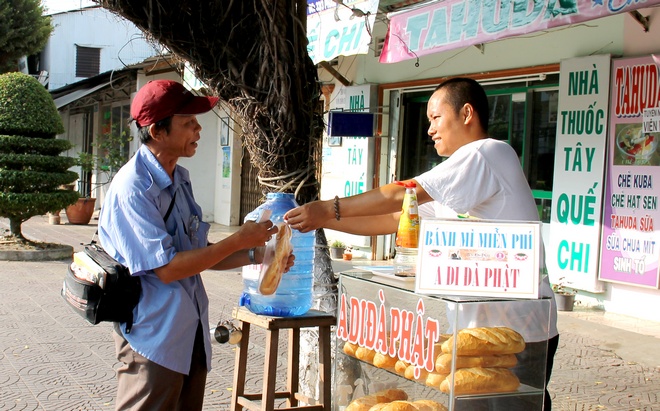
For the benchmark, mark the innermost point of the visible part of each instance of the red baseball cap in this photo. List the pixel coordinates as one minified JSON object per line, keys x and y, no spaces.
{"x":159,"y":99}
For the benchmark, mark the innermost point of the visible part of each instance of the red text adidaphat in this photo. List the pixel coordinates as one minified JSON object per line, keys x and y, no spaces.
{"x":160,"y":99}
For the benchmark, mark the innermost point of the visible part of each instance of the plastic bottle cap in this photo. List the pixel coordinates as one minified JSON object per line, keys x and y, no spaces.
{"x":407,"y":184}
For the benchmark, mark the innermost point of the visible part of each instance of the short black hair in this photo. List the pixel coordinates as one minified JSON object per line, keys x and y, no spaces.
{"x":143,"y":132}
{"x":463,"y":90}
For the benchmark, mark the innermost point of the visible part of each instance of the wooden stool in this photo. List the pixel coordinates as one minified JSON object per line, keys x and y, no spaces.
{"x":273,"y":325}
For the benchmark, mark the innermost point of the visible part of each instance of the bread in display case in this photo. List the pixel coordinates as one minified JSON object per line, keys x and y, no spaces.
{"x":442,"y":352}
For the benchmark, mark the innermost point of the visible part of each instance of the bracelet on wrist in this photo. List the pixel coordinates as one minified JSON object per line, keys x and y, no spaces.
{"x":251,"y":256}
{"x":337,"y":215}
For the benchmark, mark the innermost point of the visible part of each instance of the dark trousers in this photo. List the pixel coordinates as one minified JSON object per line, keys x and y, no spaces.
{"x":145,"y":385}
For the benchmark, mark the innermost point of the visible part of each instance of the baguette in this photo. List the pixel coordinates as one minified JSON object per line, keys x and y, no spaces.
{"x":349,"y":348}
{"x":443,"y":363}
{"x":363,"y":403}
{"x":391,"y":394}
{"x":481,"y":381}
{"x":485,"y":341}
{"x":400,"y":367}
{"x":434,"y":379}
{"x":399,"y":406}
{"x":365,"y":354}
{"x":410,"y":373}
{"x":384,"y":361}
{"x":437,"y":349}
{"x":429,"y":405}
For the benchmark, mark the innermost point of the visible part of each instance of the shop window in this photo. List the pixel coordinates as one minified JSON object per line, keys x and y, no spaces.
{"x":518,"y":124}
{"x":499,"y":121}
{"x":506,"y":120}
{"x":543,"y":136}
{"x":416,"y":153}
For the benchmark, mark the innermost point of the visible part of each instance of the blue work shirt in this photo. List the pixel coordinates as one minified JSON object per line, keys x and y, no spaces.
{"x":132,"y":230}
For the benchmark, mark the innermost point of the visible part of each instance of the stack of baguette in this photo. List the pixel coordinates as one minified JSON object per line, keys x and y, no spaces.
{"x":483,"y":358}
{"x":431,"y":379}
{"x":393,"y":364}
{"x":370,"y":356}
{"x":388,"y":362}
{"x":392,"y":400}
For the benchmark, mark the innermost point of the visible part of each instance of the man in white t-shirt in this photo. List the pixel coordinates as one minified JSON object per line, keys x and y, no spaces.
{"x":481,"y":177}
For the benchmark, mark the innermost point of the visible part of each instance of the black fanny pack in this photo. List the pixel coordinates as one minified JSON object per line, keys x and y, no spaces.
{"x":100,"y":289}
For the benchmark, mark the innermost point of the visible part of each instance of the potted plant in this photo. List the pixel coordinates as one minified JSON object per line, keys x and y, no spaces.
{"x":348,"y":254}
{"x":337,"y":248}
{"x":564,"y":296}
{"x":81,"y":211}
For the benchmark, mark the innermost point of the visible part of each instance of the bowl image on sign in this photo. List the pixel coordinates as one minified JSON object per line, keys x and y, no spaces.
{"x":435,"y":253}
{"x":520,"y":256}
{"x":635,"y":146}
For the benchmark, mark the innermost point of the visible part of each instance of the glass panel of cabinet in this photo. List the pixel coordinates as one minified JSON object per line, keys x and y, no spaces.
{"x":437,"y":352}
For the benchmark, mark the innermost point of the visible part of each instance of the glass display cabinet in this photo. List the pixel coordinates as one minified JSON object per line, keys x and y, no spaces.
{"x":453,"y":353}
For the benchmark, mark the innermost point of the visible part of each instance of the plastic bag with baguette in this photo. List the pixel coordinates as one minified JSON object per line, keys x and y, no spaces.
{"x":276,"y":257}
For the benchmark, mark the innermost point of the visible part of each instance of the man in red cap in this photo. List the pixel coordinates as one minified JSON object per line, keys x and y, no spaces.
{"x":151,"y":223}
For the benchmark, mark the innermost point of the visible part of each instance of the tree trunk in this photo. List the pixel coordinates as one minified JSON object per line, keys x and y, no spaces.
{"x":15,"y":228}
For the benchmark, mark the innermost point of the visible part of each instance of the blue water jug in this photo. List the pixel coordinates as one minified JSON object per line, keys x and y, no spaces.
{"x":294,"y":294}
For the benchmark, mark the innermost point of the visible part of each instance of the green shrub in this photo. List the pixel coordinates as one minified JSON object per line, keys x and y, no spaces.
{"x":26,"y":108}
{"x":338,"y":244}
{"x":31,"y":169}
{"x":29,"y":145}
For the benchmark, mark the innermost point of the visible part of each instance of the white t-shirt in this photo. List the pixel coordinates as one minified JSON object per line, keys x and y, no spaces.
{"x":484,"y":180}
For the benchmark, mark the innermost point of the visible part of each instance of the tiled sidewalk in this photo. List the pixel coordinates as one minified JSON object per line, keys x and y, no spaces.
{"x":52,"y":360}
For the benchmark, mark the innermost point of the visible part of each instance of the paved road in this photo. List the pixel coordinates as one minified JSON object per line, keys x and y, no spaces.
{"x":52,"y":360}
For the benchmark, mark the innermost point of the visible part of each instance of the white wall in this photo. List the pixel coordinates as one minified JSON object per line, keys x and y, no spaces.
{"x":121,"y":43}
{"x":632,"y":301}
{"x":637,"y":42}
{"x":228,"y":171}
